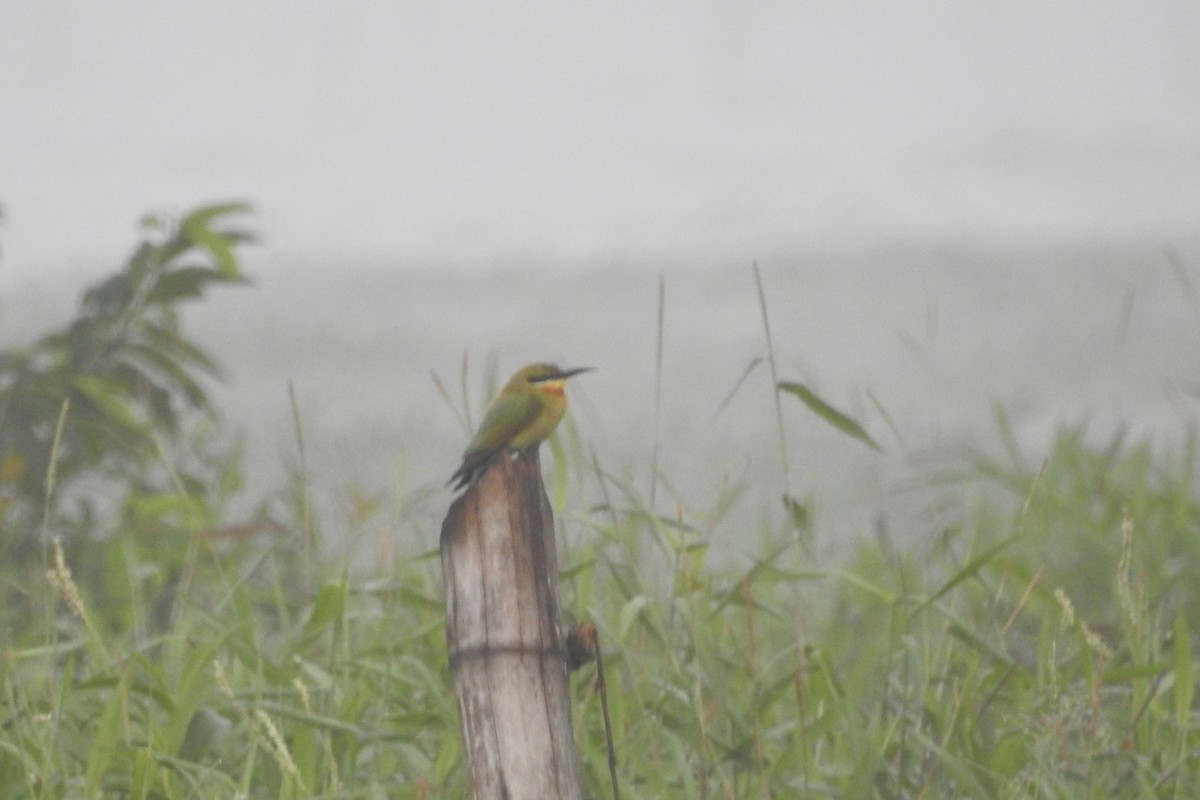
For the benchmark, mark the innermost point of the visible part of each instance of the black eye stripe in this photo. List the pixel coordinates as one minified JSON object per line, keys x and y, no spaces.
{"x":557,"y":375}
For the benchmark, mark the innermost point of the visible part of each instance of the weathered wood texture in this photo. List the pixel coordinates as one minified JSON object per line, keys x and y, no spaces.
{"x":506,"y":645}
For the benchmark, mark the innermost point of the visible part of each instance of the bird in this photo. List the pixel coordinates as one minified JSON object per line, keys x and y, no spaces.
{"x":525,"y":412}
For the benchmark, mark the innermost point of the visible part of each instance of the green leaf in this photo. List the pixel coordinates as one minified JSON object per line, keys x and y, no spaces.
{"x":968,"y":570}
{"x":966,"y":634}
{"x":106,"y":741}
{"x":799,"y":513}
{"x":828,"y":413}
{"x":1185,"y":685}
{"x":196,"y":228}
{"x":866,"y":585}
{"x":630,"y":612}
{"x":205,"y":731}
{"x":328,"y":607}
{"x":206,"y":214}
{"x":173,"y":346}
{"x":146,"y":391}
{"x":172,"y":369}
{"x":184,"y":283}
{"x":108,"y":298}
{"x":111,"y":399}
{"x":160,"y":505}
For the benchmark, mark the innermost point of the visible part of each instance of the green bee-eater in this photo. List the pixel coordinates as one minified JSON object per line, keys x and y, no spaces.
{"x":525,"y":412}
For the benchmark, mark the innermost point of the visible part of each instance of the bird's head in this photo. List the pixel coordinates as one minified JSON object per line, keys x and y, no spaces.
{"x":544,"y":378}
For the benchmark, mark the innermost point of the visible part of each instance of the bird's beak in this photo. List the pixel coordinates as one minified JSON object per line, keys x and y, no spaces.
{"x":566,"y":373}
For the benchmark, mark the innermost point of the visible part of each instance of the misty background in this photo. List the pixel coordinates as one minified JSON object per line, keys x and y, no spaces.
{"x":951,"y":205}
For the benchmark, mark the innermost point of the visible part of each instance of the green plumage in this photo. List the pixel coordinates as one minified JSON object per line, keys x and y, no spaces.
{"x":526,"y":411}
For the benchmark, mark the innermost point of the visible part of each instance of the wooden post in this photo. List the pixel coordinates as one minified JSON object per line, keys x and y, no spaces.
{"x":506,"y":645}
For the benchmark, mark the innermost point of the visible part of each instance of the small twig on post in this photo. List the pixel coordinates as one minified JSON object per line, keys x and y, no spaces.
{"x":583,"y":646}
{"x":507,"y":655}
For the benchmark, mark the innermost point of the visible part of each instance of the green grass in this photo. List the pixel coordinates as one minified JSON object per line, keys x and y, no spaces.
{"x":1035,"y":638}
{"x":1041,"y":647}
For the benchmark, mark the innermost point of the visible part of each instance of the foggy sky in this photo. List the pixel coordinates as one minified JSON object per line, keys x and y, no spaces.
{"x":562,"y":134}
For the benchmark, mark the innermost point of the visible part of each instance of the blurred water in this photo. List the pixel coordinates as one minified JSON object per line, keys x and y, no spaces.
{"x":1106,"y":334}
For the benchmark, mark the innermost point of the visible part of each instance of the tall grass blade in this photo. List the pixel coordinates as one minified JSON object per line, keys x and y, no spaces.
{"x":766,"y":320}
{"x":822,"y":409}
{"x":658,"y":370}
{"x":970,"y":569}
{"x":737,"y":386}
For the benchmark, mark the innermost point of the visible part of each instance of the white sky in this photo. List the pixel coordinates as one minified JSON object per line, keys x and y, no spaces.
{"x":478,"y":134}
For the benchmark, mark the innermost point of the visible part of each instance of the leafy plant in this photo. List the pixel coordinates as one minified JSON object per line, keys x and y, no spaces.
{"x":90,"y":411}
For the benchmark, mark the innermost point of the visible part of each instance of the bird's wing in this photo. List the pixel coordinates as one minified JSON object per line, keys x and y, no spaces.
{"x":505,"y":419}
